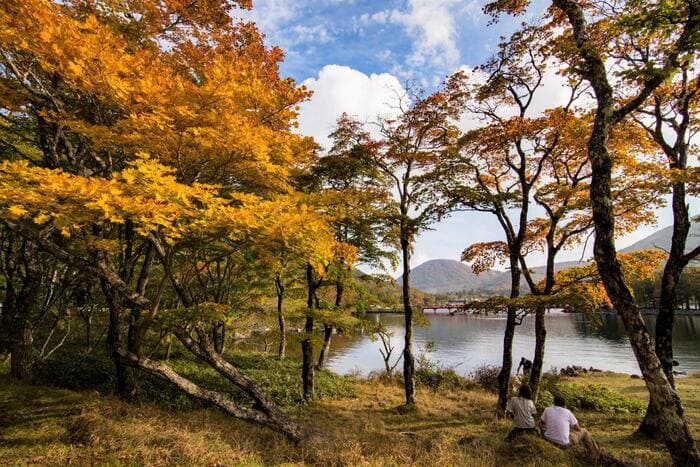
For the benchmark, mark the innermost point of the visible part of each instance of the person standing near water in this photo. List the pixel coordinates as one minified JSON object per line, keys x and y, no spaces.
{"x":523,"y":411}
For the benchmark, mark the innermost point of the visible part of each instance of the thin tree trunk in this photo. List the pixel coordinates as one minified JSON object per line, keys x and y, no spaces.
{"x":538,"y":360}
{"x":326,"y":347}
{"x":328,"y":330}
{"x":218,"y":334}
{"x":169,"y":350}
{"x":307,"y":349}
{"x":409,"y":369}
{"x":509,"y":333}
{"x":279,"y":287}
{"x":88,"y":334}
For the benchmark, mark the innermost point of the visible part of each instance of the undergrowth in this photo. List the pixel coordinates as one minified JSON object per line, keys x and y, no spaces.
{"x":280,"y":378}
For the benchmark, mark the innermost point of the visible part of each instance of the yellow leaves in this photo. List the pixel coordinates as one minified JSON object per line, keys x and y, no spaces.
{"x":483,"y":256}
{"x":210,"y":102}
{"x":16,"y":212}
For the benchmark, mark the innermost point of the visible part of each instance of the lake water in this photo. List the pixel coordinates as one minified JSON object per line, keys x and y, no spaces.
{"x":466,"y":342}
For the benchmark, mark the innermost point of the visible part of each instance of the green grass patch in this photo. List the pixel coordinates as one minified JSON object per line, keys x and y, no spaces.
{"x":280,"y":378}
{"x":590,"y":397}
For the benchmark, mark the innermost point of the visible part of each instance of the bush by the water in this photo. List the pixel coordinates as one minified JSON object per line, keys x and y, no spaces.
{"x":438,"y":377}
{"x":592,"y":397}
{"x":486,"y":376}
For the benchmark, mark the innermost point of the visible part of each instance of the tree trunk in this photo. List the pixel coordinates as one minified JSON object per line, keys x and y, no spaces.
{"x":125,"y":384}
{"x":218,"y":334}
{"x":307,"y":366}
{"x":88,"y":334}
{"x":409,"y":367}
{"x":668,"y":300}
{"x":662,"y":397}
{"x":328,"y":330}
{"x":507,"y":363}
{"x":265,"y":411}
{"x":509,"y":333}
{"x":325,"y":348}
{"x":282,"y":351}
{"x":20,"y":308}
{"x":5,"y":320}
{"x":307,"y":349}
{"x":169,"y":350}
{"x":538,"y":360}
{"x":21,"y":339}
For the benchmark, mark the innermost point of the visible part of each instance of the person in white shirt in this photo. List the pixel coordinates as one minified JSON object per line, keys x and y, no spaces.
{"x":561,"y":427}
{"x":523,"y":411}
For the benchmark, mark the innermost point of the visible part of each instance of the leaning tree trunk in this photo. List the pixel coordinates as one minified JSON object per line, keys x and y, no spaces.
{"x":264,"y":411}
{"x":668,"y":300}
{"x":409,"y":366}
{"x":328,"y":330}
{"x":509,"y":333}
{"x":325,"y":347}
{"x":662,"y":397}
{"x":538,"y":360}
{"x":665,"y":405}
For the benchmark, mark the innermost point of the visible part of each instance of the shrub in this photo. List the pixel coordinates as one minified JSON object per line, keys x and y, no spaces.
{"x":96,"y":372}
{"x":438,"y":377}
{"x":486,"y":376}
{"x":591,"y":397}
{"x":281,"y":379}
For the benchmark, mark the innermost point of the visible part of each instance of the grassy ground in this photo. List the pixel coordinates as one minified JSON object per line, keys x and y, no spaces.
{"x":46,"y":425}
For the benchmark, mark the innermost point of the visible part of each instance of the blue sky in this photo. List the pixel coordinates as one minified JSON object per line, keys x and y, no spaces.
{"x":416,"y":39}
{"x":355,"y":54}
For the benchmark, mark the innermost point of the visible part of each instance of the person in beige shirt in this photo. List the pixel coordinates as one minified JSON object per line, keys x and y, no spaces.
{"x":523,"y":411}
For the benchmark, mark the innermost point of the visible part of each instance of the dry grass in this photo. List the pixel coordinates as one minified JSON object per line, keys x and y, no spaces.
{"x":41,"y":425}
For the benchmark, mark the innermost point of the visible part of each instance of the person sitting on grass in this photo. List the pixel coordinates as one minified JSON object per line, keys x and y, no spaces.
{"x":523,"y":411}
{"x":561,"y":427}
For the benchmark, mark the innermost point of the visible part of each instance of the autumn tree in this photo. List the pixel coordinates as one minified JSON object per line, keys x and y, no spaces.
{"x":495,"y":167}
{"x":151,"y":131}
{"x":34,"y":304}
{"x":349,"y":186}
{"x":407,"y":151}
{"x":584,"y":47}
{"x":670,"y":118}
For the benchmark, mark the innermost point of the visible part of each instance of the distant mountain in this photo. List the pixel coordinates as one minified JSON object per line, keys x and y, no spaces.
{"x":449,"y":276}
{"x":662,"y":239}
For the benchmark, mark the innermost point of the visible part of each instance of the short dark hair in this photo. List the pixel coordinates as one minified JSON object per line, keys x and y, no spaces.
{"x":559,"y":401}
{"x":525,"y":391}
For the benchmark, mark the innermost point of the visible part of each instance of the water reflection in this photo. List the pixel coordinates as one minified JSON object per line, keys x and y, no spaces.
{"x":467,"y":342}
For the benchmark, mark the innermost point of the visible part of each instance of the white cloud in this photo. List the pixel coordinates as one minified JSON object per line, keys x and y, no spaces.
{"x":270,"y":15}
{"x":339,"y":89}
{"x":433,"y":26}
{"x":318,"y":34}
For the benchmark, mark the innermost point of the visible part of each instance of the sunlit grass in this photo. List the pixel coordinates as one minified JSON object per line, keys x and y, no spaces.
{"x":451,"y":427}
